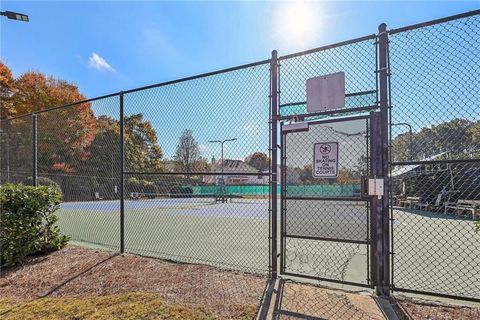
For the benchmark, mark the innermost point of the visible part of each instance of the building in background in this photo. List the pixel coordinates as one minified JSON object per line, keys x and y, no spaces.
{"x":230,"y":167}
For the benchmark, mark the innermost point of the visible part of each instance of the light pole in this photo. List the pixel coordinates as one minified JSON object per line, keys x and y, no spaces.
{"x":222,"y":182}
{"x":14,"y":15}
{"x":410,"y":138}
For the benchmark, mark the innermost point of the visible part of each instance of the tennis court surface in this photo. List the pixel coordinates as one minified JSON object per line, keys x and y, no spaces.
{"x":194,"y":230}
{"x":234,"y":235}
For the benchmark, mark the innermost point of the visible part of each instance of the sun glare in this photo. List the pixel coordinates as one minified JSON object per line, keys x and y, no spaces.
{"x":298,"y":23}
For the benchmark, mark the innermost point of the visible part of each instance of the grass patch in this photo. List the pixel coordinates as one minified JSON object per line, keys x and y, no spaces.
{"x":125,"y":306}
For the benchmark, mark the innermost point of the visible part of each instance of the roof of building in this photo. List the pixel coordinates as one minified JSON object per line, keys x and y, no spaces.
{"x":232,"y":166}
{"x":400,"y":170}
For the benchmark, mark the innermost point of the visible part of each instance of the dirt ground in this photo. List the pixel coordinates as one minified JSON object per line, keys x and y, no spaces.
{"x":415,"y":309}
{"x":293,"y":301}
{"x":90,"y":284}
{"x":80,"y":272}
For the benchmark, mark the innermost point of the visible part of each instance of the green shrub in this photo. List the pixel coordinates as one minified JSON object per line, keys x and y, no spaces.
{"x":43,"y":181}
{"x":28,"y":222}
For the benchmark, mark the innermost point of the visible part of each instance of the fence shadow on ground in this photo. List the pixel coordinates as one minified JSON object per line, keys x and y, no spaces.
{"x":417,"y":308}
{"x":5,"y":271}
{"x":78,"y":275}
{"x":433,"y":214}
{"x":56,"y":287}
{"x":286,"y":299}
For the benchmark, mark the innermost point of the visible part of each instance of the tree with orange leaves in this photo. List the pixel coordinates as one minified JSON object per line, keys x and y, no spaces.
{"x":344,"y":177}
{"x":6,"y":92}
{"x":63,"y":135}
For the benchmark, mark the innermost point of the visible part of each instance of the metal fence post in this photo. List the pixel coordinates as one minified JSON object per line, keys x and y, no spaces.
{"x":273,"y":148}
{"x":376,"y":165}
{"x":383,"y":76}
{"x":122,"y":172}
{"x":34,"y":149}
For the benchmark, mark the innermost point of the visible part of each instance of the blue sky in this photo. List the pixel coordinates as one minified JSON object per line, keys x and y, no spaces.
{"x":149,"y":42}
{"x":105,"y":47}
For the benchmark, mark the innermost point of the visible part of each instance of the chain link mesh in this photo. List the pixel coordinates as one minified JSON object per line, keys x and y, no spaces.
{"x":357,"y":60}
{"x":78,"y":150}
{"x":16,"y":150}
{"x":182,"y":207}
{"x":187,"y":197}
{"x":323,"y":236}
{"x":435,"y":152}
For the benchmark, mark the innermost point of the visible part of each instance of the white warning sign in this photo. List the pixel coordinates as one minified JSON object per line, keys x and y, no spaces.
{"x":325,"y":160}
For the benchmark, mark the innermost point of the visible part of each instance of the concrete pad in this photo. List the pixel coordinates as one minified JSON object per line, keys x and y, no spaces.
{"x":291,"y":300}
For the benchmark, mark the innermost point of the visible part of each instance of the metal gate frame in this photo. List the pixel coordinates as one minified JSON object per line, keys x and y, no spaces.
{"x":383,"y":256}
{"x":374,"y":215}
{"x":380,"y":226}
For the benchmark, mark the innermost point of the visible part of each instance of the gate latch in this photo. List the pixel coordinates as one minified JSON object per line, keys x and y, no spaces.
{"x":373,"y":187}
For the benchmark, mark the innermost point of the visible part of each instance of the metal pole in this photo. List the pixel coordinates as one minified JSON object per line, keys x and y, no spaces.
{"x":34,"y":149}
{"x":223,"y":181}
{"x":122,"y":170}
{"x":383,"y":287}
{"x":273,"y":148}
{"x":283,"y":192}
{"x":376,"y":165}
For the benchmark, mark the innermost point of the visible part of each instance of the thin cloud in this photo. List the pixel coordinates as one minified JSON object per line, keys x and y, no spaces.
{"x":97,"y":62}
{"x":249,"y":127}
{"x":155,"y":43}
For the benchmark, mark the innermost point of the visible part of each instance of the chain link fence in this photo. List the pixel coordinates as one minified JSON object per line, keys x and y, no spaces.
{"x":78,"y":150}
{"x":435,"y":122}
{"x":178,"y":171}
{"x":356,"y":58}
{"x":325,"y":225}
{"x":209,"y":147}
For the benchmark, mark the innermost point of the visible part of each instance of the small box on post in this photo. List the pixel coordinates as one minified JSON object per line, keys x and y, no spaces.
{"x":375,"y":187}
{"x":372,"y":187}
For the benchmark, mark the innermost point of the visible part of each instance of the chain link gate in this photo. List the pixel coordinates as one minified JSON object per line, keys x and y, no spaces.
{"x":326,"y":228}
{"x":428,"y":128}
{"x":330,"y":229}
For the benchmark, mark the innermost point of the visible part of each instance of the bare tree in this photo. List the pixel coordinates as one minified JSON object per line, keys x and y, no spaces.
{"x":187,"y":153}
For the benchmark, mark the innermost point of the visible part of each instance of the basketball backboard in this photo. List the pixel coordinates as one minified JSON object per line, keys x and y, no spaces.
{"x":326,"y":92}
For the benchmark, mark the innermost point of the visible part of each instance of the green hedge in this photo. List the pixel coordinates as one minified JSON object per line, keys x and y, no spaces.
{"x":28,"y":222}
